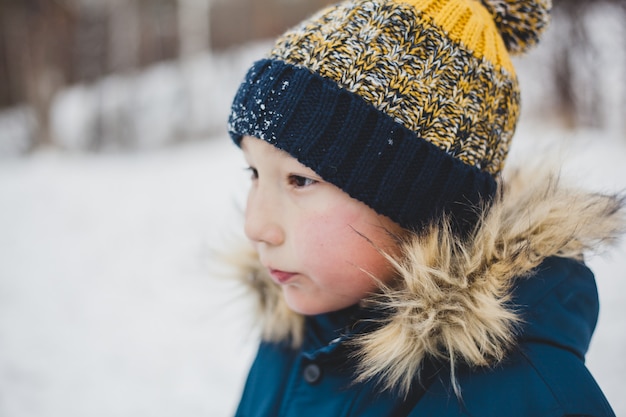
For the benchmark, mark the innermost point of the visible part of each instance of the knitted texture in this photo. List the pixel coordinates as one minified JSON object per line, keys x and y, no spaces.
{"x":403,"y":62}
{"x":520,"y":22}
{"x":408,"y":106}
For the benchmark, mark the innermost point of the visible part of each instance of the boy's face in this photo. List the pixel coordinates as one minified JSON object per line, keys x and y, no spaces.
{"x":319,"y":244}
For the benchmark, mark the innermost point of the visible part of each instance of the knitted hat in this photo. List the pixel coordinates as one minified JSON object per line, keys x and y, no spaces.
{"x":407,"y":105}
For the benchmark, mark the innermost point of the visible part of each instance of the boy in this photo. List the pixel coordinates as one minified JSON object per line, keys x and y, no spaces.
{"x":398,"y":273}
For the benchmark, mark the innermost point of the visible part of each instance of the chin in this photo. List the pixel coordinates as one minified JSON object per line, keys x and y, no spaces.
{"x":311,"y":307}
{"x":307,"y":309}
{"x":311,"y":304}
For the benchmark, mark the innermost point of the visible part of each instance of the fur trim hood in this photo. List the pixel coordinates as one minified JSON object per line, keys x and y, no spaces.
{"x":452,"y":299}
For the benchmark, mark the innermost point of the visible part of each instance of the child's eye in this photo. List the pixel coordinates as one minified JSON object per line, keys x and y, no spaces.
{"x":300,"y":181}
{"x":254,"y":174}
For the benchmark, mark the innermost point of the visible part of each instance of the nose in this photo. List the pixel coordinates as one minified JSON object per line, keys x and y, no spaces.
{"x":262,"y":219}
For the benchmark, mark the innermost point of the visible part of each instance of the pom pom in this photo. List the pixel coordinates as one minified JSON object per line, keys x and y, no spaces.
{"x":520,"y":23}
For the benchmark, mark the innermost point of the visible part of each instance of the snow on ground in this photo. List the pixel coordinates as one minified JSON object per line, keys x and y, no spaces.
{"x":109,"y":304}
{"x":109,"y":301}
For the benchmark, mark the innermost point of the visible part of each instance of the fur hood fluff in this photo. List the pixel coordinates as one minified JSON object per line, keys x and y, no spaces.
{"x":451,"y":299}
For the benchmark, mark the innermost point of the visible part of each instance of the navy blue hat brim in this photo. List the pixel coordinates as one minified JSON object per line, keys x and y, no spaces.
{"x":353,"y":145}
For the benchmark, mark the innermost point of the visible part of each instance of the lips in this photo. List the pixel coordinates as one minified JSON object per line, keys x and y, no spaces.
{"x":281,"y":277}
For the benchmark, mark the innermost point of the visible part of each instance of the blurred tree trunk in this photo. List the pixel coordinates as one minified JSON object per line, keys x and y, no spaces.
{"x":91,"y":57}
{"x":124,"y":44}
{"x":38,"y":35}
{"x":578,"y":74}
{"x":193,"y":27}
{"x":572,"y":46}
{"x":124,"y":34}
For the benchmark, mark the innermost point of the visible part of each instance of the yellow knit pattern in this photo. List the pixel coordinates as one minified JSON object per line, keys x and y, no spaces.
{"x":434,"y":66}
{"x":469,"y":23}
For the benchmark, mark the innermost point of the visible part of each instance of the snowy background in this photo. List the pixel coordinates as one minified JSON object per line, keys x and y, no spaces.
{"x":111,"y":303}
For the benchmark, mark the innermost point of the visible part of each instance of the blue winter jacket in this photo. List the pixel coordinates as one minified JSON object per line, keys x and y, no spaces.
{"x":503,"y":335}
{"x":545,"y":375}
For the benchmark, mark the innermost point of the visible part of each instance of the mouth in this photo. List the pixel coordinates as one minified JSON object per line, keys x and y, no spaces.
{"x":281,"y":277}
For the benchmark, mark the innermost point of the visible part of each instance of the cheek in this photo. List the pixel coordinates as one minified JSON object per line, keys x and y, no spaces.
{"x":341,"y":246}
{"x":317,"y":236}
